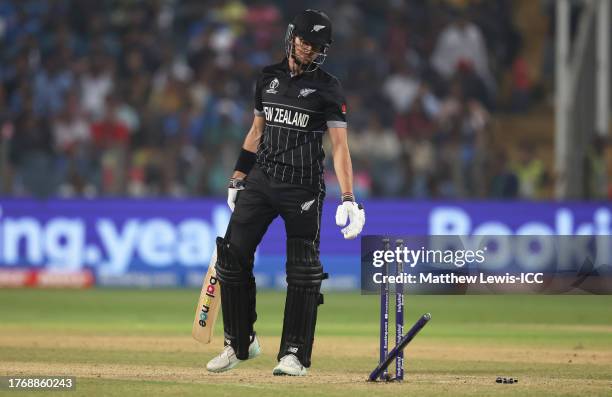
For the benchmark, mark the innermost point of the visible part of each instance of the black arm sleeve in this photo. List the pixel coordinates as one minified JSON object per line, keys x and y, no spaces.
{"x":335,"y":107}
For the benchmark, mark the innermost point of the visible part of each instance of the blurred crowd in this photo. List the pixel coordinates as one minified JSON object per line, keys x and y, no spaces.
{"x":146,"y":98}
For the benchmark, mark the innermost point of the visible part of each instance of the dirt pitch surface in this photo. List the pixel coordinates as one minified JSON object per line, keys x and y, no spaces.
{"x":451,"y":358}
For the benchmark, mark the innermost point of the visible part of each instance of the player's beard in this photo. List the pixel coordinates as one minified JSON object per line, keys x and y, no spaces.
{"x":301,"y":64}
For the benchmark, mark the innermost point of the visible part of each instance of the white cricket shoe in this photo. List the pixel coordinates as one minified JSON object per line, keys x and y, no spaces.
{"x":227,"y":359}
{"x":289,"y":365}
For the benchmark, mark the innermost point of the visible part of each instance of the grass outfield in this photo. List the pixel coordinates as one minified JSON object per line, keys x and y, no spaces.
{"x":138,"y":343}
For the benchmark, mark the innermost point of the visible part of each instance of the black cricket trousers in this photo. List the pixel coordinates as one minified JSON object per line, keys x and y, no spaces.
{"x":263,"y":200}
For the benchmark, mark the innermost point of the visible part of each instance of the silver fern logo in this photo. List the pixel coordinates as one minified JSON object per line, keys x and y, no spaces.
{"x":306,"y":206}
{"x":316,"y":28}
{"x":304,"y":92}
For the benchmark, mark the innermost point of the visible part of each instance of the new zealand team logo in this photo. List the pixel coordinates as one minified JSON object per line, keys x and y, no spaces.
{"x":273,"y":86}
{"x":304,"y":92}
{"x":306,"y":206}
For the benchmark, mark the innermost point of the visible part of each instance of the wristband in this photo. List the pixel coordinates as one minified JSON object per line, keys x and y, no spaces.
{"x":348,"y":197}
{"x":246,"y":161}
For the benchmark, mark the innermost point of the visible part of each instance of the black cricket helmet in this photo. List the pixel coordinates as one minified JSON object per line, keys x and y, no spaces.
{"x":314,"y":27}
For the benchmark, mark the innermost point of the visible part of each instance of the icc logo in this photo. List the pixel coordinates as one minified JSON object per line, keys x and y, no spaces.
{"x":273,"y":86}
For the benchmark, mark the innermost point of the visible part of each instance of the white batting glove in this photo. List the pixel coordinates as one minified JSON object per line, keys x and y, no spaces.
{"x":235,"y":185}
{"x":356,"y":218}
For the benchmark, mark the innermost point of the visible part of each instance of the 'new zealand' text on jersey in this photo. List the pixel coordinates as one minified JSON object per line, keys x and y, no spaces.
{"x":298,"y":110}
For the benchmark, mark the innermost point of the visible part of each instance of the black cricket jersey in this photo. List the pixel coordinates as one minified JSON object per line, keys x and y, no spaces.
{"x":298,"y":110}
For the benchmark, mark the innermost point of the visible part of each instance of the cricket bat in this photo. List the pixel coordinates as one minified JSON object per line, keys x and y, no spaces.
{"x":208,"y":305}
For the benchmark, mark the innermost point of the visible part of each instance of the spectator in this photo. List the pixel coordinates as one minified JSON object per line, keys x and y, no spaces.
{"x":401,"y":88}
{"x":461,"y":44}
{"x":31,"y":156}
{"x":521,"y":85}
{"x":96,"y":85}
{"x":71,"y":139}
{"x":50,"y":86}
{"x":383,"y":150}
{"x":504,"y":182}
{"x":110,"y":131}
{"x":530,"y":172}
{"x":422,"y":164}
{"x":70,"y":127}
{"x":417,"y":122}
{"x":110,"y":139}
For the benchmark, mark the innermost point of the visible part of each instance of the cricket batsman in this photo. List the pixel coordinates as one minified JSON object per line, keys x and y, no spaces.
{"x":280,"y":172}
